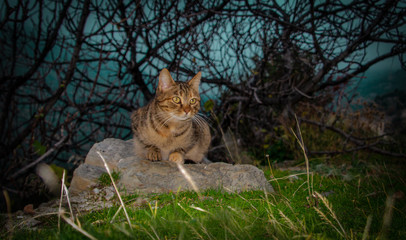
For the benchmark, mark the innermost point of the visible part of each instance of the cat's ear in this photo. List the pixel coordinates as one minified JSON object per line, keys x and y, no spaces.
{"x":165,"y":81}
{"x":195,"y":81}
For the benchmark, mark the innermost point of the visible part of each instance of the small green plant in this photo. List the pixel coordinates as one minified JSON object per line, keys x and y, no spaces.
{"x":105,"y":180}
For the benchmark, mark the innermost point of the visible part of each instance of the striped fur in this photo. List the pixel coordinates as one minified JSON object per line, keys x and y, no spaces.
{"x":169,"y":127}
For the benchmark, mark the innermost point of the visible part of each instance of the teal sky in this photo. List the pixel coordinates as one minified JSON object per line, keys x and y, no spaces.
{"x":383,"y":77}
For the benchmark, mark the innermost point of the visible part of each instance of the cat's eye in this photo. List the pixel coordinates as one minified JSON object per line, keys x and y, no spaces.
{"x":176,"y":99}
{"x":193,"y":101}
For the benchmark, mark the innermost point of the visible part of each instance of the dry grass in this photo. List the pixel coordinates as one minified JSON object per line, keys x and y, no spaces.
{"x":115,"y":188}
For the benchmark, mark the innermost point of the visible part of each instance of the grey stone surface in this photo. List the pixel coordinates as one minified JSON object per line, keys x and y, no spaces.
{"x":112,"y":150}
{"x":85,"y":177}
{"x":144,"y":176}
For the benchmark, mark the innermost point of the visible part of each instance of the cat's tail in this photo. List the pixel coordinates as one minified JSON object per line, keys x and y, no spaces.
{"x":49,"y":178}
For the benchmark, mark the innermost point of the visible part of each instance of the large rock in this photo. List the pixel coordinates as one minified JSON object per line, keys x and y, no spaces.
{"x":143,"y":176}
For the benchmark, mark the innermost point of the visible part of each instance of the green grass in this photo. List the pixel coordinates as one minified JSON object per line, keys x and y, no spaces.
{"x":289,"y":213}
{"x":105,"y":180}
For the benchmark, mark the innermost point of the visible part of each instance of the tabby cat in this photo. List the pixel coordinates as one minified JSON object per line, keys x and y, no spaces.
{"x":169,"y":127}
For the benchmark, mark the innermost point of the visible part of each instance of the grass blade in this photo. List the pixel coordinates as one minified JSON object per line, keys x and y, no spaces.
{"x":76,"y":227}
{"x":115,"y":188}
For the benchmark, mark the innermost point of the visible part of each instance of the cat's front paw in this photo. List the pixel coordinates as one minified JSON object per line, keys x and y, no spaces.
{"x":154,"y":154}
{"x":176,"y":157}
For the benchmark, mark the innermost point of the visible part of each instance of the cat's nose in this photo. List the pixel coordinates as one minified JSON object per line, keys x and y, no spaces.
{"x":186,"y":110}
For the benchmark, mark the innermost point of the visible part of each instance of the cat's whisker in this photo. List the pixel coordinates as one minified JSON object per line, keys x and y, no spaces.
{"x":206,"y":118}
{"x":162,"y":118}
{"x":197,"y":122}
{"x":200,"y":121}
{"x":163,"y":123}
{"x":166,"y":121}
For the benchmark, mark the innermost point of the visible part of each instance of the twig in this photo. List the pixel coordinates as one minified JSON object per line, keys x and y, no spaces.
{"x":360,"y":142}
{"x":51,"y":150}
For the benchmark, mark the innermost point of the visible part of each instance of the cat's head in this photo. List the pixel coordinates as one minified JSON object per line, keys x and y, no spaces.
{"x":181,"y":100}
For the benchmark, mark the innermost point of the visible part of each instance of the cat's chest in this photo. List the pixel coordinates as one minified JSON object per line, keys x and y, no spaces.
{"x":172,"y":134}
